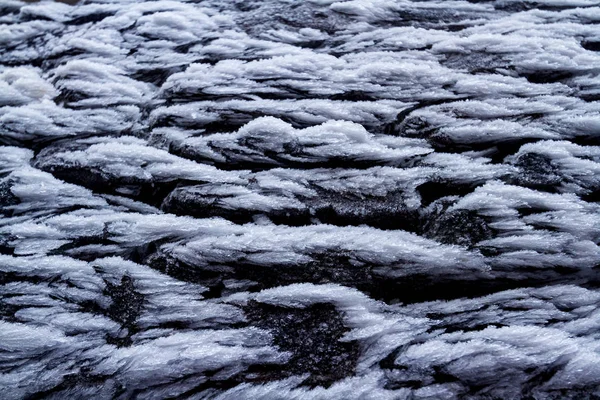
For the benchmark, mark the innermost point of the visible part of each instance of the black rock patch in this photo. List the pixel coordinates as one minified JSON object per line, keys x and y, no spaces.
{"x":312,"y":336}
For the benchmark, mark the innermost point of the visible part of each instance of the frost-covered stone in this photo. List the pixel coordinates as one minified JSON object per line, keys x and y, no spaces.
{"x":279,"y":199}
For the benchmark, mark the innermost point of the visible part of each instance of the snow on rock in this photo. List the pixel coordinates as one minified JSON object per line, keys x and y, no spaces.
{"x":328,"y":199}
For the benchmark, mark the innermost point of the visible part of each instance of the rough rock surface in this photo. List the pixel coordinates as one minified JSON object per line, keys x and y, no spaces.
{"x":286,"y":199}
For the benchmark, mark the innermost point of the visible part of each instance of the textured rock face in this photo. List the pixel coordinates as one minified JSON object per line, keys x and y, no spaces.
{"x":285,"y":199}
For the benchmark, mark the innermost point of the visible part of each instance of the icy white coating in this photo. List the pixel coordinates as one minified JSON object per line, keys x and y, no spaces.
{"x":286,"y":199}
{"x":270,"y":141}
